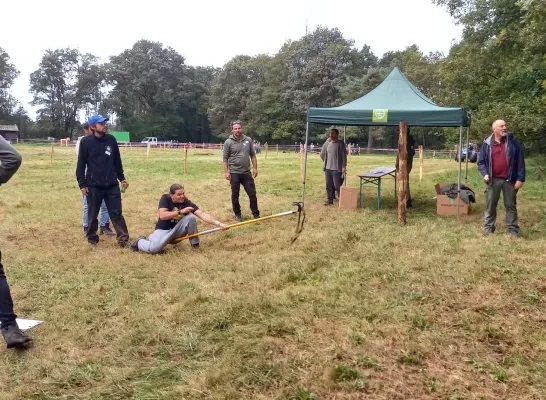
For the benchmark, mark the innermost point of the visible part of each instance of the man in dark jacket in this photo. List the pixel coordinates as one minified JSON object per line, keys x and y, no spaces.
{"x":99,"y":154}
{"x":502,"y":166}
{"x":10,"y":161}
{"x":334,"y":158}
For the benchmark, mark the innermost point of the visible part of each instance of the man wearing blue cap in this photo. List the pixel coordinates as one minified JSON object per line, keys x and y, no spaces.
{"x":98,"y":171}
{"x":104,"y":217}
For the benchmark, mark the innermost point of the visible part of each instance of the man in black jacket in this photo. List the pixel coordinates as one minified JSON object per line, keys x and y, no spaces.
{"x":98,"y":171}
{"x":10,"y":161}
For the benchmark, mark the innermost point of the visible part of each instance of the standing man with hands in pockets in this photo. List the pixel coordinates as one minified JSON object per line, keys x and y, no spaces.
{"x":502,"y":166}
{"x":237,"y":155}
{"x":98,"y":170}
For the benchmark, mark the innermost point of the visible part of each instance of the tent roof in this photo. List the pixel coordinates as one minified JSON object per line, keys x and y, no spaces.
{"x":394,"y":100}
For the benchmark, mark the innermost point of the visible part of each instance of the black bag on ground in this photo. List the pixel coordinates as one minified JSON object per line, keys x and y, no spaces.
{"x":467,"y":194}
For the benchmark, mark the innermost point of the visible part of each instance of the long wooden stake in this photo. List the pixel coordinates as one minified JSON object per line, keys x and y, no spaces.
{"x":52,"y":151}
{"x":265,"y":151}
{"x":421,"y":156}
{"x":147,"y":150}
{"x":277,"y":149}
{"x":402,"y":172}
{"x":185,"y":159}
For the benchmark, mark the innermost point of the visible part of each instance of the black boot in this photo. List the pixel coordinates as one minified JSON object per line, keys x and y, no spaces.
{"x":107,"y":231}
{"x":15,"y":337}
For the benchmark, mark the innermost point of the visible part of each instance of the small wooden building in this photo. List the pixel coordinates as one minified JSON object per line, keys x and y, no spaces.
{"x":9,"y":132}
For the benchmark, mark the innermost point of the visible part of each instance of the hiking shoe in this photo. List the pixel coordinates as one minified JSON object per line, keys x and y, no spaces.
{"x":487,"y":232}
{"x":514,"y":235}
{"x":15,"y":337}
{"x":237,"y":218}
{"x":124,"y":244}
{"x":134,"y":245}
{"x":195,"y":246}
{"x":107,"y":230}
{"x":256,"y":216}
{"x":328,"y":203}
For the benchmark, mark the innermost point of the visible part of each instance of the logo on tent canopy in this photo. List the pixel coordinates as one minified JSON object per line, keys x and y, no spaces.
{"x":380,"y":115}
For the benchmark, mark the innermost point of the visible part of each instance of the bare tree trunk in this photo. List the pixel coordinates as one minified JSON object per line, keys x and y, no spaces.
{"x":402,"y":172}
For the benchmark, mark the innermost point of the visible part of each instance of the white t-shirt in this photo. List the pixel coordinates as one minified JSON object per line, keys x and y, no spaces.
{"x":78,"y":144}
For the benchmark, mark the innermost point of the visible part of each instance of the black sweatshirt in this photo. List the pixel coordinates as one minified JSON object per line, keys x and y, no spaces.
{"x":101,"y":158}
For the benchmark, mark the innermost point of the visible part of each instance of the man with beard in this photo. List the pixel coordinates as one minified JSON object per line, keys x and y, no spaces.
{"x":98,"y":171}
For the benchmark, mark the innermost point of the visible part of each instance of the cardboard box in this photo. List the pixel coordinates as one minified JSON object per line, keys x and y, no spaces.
{"x":348,"y":197}
{"x":447,"y":206}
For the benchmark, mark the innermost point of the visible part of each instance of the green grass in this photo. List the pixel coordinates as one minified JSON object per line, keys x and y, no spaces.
{"x":357,"y":307}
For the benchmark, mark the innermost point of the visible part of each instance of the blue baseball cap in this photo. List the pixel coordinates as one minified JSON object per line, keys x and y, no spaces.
{"x":95,"y":119}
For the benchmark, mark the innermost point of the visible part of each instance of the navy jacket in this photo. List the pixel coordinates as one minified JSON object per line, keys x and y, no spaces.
{"x":99,"y":162}
{"x":514,"y":158}
{"x":10,"y":160}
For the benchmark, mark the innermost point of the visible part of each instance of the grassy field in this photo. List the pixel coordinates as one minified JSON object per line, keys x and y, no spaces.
{"x":357,"y":307}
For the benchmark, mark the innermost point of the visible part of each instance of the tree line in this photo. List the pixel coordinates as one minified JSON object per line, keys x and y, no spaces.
{"x":497,"y":70}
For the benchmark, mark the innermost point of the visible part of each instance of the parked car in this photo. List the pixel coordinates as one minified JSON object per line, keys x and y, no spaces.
{"x":469,"y":151}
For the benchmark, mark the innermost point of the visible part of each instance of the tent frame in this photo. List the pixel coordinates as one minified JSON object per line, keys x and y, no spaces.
{"x":345,"y":180}
{"x":325,"y":121}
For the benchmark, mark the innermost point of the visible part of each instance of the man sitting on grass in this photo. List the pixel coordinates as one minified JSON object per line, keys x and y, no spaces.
{"x":176,"y":219}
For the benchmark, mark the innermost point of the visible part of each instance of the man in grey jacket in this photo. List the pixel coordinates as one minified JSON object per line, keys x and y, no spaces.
{"x":10,"y":161}
{"x":237,"y":155}
{"x":334,"y":156}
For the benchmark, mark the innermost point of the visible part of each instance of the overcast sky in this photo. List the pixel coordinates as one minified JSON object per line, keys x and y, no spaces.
{"x":211,"y":32}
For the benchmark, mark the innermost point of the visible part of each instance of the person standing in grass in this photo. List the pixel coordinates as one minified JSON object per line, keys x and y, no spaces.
{"x":237,"y":155}
{"x":502,"y":165}
{"x":104,"y":217}
{"x":10,"y":161}
{"x":98,"y":171}
{"x":334,"y":156}
{"x":176,"y":219}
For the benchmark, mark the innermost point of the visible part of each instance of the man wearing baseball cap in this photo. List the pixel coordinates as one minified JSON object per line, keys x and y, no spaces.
{"x":98,"y":171}
{"x":104,"y":217}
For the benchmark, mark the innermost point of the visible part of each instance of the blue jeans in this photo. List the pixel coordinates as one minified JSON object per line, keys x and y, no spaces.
{"x":104,"y":217}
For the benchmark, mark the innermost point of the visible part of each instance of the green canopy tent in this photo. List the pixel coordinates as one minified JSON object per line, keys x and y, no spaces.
{"x":393,"y":101}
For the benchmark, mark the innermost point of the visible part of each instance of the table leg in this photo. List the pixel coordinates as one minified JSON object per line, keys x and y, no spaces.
{"x":378,"y":193}
{"x":360,"y":197}
{"x":395,"y":185}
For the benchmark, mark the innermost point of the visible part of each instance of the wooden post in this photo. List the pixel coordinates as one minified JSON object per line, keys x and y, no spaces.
{"x":185,"y":159}
{"x":52,"y":143}
{"x":402,"y":172}
{"x":277,"y":148}
{"x":301,"y":161}
{"x":147,"y":150}
{"x":265,"y":145}
{"x":421,"y":156}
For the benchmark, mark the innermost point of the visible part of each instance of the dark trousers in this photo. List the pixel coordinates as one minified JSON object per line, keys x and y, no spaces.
{"x":250,"y":188}
{"x":112,"y":198}
{"x":333,"y":183}
{"x":7,"y":317}
{"x":492,"y":196}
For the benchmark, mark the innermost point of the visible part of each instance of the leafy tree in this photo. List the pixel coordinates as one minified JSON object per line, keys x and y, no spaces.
{"x":65,"y":83}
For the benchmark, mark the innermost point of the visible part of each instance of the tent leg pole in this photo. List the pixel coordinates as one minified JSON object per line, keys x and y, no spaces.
{"x":460,"y":167}
{"x":345,"y":141}
{"x":467,"y":144}
{"x":304,"y":165}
